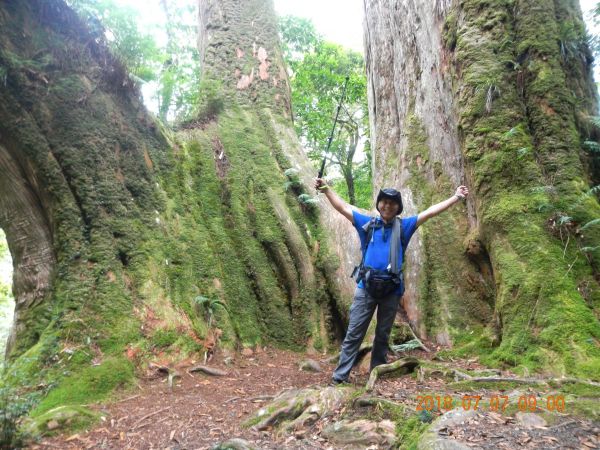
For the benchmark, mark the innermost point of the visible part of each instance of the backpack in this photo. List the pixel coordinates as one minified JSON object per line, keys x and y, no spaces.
{"x":381,"y":283}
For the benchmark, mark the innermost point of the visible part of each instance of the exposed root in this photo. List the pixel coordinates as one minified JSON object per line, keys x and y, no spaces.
{"x":294,"y":408}
{"x":297,"y":409}
{"x":374,"y":401}
{"x":406,"y":365}
{"x":208,"y":370}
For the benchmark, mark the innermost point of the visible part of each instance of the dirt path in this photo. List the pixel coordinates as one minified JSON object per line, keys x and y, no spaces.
{"x":201,"y":411}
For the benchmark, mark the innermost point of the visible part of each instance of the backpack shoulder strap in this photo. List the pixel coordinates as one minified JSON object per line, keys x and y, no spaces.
{"x":396,"y":241}
{"x":369,"y":228}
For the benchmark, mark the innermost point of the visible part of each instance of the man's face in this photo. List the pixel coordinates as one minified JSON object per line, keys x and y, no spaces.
{"x":388,"y":209}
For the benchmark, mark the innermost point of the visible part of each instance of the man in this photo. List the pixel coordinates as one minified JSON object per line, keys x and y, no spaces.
{"x":377,"y":236}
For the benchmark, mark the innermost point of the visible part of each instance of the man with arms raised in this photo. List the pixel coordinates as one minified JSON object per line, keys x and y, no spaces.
{"x":379,"y":276}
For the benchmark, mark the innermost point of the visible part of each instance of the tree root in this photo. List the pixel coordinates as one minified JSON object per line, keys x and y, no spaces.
{"x":291,"y":411}
{"x":406,"y":364}
{"x":375,"y":401}
{"x":297,"y":409}
{"x":208,"y":370}
{"x":461,"y":376}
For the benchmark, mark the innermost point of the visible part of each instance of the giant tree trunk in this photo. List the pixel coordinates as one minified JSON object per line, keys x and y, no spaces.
{"x":116,"y":226}
{"x":480,"y":93}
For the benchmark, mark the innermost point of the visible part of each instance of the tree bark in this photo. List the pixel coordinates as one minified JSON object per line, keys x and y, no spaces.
{"x":476,"y":93}
{"x":116,"y":225}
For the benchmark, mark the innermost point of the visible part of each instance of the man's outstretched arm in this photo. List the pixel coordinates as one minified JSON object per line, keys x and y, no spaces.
{"x":434,"y":210}
{"x":340,"y":205}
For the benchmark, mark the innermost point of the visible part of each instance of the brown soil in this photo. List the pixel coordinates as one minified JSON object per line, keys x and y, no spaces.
{"x":201,"y":411}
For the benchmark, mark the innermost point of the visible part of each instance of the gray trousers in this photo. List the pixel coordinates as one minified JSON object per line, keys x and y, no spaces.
{"x":361,"y":312}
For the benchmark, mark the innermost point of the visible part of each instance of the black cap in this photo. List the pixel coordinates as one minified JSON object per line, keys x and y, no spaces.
{"x":392,"y":194}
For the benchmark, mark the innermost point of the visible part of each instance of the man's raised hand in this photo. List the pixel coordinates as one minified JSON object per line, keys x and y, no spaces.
{"x":462,"y":192}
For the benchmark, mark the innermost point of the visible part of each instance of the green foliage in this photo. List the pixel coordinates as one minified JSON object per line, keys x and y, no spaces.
{"x":117,"y":24}
{"x":68,"y":417}
{"x":293,"y":181}
{"x":17,"y":397}
{"x":298,"y":37}
{"x":6,"y":299}
{"x":209,"y":307}
{"x":589,"y":224}
{"x":180,"y":87}
{"x":363,"y":187}
{"x":572,"y":40}
{"x":592,"y":146}
{"x":12,"y":408}
{"x":318,"y":72}
{"x":174,"y":68}
{"x":306,"y":199}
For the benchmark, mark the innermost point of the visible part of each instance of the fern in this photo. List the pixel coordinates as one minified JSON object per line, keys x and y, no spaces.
{"x":593,"y":191}
{"x":407,"y":346}
{"x":209,"y":305}
{"x":291,"y":173}
{"x":307,"y":199}
{"x":590,"y":223}
{"x":564,"y":220}
{"x":522,"y":152}
{"x":595,"y":121}
{"x":592,"y":146}
{"x":590,"y":249}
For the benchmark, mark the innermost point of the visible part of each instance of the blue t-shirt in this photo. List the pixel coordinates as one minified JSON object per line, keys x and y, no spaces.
{"x":378,"y":250}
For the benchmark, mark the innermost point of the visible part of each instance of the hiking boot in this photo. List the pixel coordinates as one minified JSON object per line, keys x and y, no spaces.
{"x":334,"y":382}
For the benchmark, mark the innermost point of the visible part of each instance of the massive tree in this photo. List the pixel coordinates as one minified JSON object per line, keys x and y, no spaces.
{"x":119,"y":228}
{"x":496,"y":95}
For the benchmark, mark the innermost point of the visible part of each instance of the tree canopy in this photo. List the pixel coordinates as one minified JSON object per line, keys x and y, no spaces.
{"x":318,"y":70}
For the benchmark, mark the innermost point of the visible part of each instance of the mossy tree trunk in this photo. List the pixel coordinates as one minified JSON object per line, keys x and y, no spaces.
{"x":116,"y":225}
{"x":495,"y":95}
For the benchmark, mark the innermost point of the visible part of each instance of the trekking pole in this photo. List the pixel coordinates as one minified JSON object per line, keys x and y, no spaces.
{"x":337,"y":113}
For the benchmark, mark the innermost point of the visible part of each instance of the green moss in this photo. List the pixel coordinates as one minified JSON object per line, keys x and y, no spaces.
{"x":62,"y":418}
{"x":409,"y":431}
{"x":164,"y":338}
{"x":143,"y":221}
{"x":583,"y":407}
{"x":450,"y":30}
{"x":89,"y":385}
{"x":577,"y":388}
{"x":475,"y":386}
{"x":517,"y":124}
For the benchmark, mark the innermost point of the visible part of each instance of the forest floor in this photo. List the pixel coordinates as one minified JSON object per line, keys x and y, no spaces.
{"x":200,"y":411}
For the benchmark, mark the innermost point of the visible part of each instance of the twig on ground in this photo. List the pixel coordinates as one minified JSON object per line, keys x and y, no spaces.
{"x":148,"y":415}
{"x":564,"y":424}
{"x":127,"y":399}
{"x":262,"y":398}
